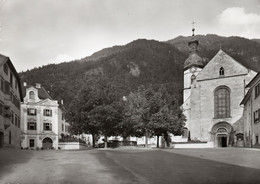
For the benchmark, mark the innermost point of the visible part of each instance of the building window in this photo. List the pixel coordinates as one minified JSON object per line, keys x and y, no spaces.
{"x":222,"y":102}
{"x":193,"y":77}
{"x":62,"y":127}
{"x":257,"y":90}
{"x":16,"y":84}
{"x":31,"y":111}
{"x":47,"y":126}
{"x":221,"y":71}
{"x":16,"y":120}
{"x":6,"y":69}
{"x":31,"y":95}
{"x":2,"y":84}
{"x":257,"y":116}
{"x":31,"y":126}
{"x":7,"y":88}
{"x":12,"y":117}
{"x":47,"y":112}
{"x":256,"y":139}
{"x":31,"y":142}
{"x":11,"y":80}
{"x":1,"y":109}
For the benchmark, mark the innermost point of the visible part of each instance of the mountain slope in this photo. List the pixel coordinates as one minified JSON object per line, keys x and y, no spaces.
{"x":141,"y":62}
{"x":146,"y":62}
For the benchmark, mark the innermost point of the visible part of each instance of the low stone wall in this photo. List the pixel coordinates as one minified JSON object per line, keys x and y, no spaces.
{"x":72,"y":146}
{"x":193,"y":145}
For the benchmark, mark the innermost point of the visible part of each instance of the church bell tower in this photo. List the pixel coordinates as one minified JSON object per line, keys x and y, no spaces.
{"x":192,"y":66}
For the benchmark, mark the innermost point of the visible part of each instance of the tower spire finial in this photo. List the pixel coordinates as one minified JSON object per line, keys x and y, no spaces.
{"x":193,"y":28}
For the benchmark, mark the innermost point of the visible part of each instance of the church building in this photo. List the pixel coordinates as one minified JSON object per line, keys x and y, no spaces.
{"x":211,"y":97}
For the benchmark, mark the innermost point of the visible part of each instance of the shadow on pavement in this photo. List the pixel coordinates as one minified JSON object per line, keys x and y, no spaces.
{"x":163,"y":167}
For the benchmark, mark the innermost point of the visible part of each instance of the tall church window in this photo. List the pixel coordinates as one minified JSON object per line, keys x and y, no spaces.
{"x":222,"y":102}
{"x":193,"y":77}
{"x":221,"y":71}
{"x":31,"y":95}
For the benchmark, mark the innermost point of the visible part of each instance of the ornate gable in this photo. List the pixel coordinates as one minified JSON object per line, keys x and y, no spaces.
{"x":48,"y":102}
{"x":222,"y":65}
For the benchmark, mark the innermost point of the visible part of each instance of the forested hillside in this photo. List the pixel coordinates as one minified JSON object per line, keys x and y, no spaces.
{"x":146,"y":62}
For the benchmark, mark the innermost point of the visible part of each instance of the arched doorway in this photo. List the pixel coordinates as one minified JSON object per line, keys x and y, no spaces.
{"x":47,"y":143}
{"x":222,"y":134}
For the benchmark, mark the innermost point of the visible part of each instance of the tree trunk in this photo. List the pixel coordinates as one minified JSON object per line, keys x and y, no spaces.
{"x":166,"y":140}
{"x":93,"y":140}
{"x":105,"y":141}
{"x":158,"y":141}
{"x":146,"y":138}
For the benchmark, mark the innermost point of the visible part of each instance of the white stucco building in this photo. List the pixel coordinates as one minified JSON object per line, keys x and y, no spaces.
{"x":42,"y":121}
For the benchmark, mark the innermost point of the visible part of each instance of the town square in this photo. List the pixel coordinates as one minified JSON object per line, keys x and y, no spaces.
{"x":229,"y":165}
{"x":129,"y":91}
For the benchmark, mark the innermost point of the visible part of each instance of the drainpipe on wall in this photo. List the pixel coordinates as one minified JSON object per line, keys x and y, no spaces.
{"x":244,"y":87}
{"x":252,"y":119}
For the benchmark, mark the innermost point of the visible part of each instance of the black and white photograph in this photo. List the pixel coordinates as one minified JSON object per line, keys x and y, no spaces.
{"x":129,"y":92}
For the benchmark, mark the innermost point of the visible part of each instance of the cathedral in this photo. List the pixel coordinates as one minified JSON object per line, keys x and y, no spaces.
{"x":211,"y":98}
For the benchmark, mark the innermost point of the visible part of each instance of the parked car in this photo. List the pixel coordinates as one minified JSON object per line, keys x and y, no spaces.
{"x":110,"y":144}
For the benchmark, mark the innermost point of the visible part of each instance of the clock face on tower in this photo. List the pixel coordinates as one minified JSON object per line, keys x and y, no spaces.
{"x":193,"y":69}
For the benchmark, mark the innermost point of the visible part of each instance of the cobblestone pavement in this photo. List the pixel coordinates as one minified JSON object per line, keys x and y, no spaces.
{"x":229,"y":165}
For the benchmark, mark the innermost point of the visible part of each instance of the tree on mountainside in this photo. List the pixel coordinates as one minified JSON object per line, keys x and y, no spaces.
{"x":152,"y":112}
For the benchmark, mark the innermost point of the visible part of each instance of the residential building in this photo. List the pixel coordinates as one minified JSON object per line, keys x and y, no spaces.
{"x":211,"y":97}
{"x":10,"y":98}
{"x":251,"y":103}
{"x":42,"y":119}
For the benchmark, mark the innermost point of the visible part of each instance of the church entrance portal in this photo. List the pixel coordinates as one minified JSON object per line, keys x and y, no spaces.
{"x":221,"y":134}
{"x":47,"y":143}
{"x":222,"y":140}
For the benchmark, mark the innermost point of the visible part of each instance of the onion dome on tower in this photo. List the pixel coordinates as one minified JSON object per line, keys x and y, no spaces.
{"x":194,"y":59}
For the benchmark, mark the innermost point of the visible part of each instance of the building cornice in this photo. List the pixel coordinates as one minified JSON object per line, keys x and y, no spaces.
{"x":222,"y":77}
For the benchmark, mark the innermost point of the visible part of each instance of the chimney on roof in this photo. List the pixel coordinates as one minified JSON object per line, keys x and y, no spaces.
{"x":38,"y":85}
{"x":24,"y":84}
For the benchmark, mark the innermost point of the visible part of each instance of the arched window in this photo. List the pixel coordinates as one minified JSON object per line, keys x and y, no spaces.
{"x":193,"y":77}
{"x":222,"y":102}
{"x":31,"y":95}
{"x":221,"y":71}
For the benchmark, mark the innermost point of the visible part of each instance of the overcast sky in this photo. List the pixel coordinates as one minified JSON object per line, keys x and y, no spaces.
{"x":38,"y":32}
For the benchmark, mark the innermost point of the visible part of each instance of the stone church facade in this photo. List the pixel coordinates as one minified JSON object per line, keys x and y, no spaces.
{"x":211,"y":97}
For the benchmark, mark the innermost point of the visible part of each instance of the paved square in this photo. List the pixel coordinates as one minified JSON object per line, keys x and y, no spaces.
{"x":229,"y":165}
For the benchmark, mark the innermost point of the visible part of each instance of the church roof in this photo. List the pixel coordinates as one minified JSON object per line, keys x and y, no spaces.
{"x":257,"y":77}
{"x":222,"y":60}
{"x":193,"y":60}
